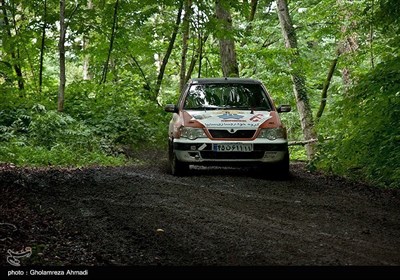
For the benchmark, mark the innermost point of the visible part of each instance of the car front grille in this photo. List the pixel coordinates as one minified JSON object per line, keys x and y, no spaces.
{"x":226,"y":133}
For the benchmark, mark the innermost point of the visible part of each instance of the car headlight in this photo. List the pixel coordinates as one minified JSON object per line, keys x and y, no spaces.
{"x":192,"y":133}
{"x":272,"y":133}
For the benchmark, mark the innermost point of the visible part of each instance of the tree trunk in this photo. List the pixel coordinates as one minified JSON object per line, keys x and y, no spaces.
{"x":229,"y":63}
{"x":201,"y":39}
{"x":348,"y":45}
{"x":371,"y":35}
{"x":17,"y":66}
{"x":324,"y":93}
{"x":250,"y":19}
{"x":61,"y":47}
{"x":85,"y":67}
{"x":299,"y":88}
{"x":14,"y":55}
{"x":200,"y":54}
{"x":185,"y":39}
{"x":85,"y":42}
{"x":192,"y":64}
{"x":147,"y":84}
{"x":253,"y":6}
{"x":168,"y":53}
{"x":42,"y":46}
{"x":105,"y":69}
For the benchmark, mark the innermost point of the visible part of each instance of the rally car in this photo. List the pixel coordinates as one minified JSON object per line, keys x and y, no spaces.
{"x":227,"y":121}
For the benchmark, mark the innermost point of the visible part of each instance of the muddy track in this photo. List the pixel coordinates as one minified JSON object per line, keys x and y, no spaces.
{"x":140,"y":215}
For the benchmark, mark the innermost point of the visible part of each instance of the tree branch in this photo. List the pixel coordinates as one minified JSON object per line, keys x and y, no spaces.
{"x":148,"y":87}
{"x":305,"y":142}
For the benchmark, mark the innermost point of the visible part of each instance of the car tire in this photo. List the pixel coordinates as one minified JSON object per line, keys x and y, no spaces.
{"x":177,"y":167}
{"x":283,"y":167}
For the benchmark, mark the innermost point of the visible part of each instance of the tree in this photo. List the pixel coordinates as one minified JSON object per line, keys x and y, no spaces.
{"x":185,"y":38}
{"x":14,"y":50}
{"x":324,"y":93}
{"x":348,"y":44}
{"x":229,"y":62}
{"x":61,"y":48}
{"x":112,"y":38}
{"x":42,"y":45}
{"x":168,"y":52}
{"x":85,"y":42}
{"x":250,"y":18}
{"x":298,"y":77}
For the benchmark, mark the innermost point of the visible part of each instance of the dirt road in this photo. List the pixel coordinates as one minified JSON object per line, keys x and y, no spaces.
{"x":140,"y":215}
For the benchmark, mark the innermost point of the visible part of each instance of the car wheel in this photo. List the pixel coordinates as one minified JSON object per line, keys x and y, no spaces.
{"x":283,"y":167}
{"x":177,"y":167}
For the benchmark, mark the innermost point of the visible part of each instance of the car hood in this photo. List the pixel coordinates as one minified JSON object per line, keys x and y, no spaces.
{"x":230,"y":118}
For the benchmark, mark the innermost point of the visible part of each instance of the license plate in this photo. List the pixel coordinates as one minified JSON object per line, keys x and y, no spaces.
{"x":234,"y":147}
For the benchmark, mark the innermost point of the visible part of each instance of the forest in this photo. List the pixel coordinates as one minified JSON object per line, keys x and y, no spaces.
{"x":84,"y":82}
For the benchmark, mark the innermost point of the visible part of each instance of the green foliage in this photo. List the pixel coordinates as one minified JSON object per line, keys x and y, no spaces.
{"x":94,"y":129}
{"x":40,"y":137}
{"x":297,"y":153}
{"x":59,"y":155}
{"x":368,"y":143}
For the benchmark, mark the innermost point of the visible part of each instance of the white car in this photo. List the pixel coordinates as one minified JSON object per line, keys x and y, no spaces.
{"x":226,"y":121}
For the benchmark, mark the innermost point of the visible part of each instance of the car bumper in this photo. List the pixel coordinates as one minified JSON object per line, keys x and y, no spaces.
{"x":202,"y":151}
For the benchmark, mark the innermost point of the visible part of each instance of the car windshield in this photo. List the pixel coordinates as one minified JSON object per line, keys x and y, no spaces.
{"x":227,"y":96}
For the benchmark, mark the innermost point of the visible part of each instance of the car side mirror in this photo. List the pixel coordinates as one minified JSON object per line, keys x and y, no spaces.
{"x":171,"y":108}
{"x":284,"y":108}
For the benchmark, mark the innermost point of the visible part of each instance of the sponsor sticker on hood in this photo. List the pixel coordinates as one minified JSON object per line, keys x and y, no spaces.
{"x":218,"y":119}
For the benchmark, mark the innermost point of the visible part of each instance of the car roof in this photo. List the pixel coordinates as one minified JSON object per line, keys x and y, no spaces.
{"x":225,"y":80}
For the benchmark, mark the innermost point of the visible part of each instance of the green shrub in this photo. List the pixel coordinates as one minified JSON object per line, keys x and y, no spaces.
{"x":367,"y":141}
